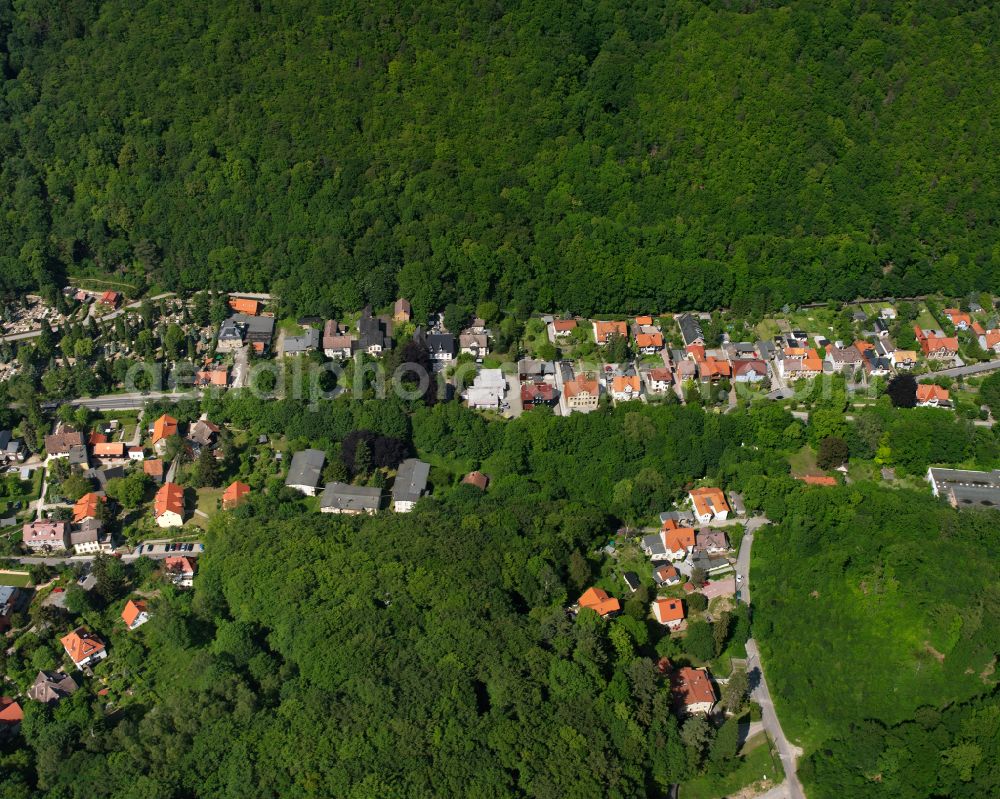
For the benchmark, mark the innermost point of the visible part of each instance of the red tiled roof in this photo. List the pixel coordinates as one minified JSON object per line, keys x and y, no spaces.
{"x":132,"y":609}
{"x":81,"y":644}
{"x":164,"y":427}
{"x":87,"y":506}
{"x":928,"y":392}
{"x":581,"y":385}
{"x":564,"y":325}
{"x":604,"y":329}
{"x":691,"y":687}
{"x":244,"y":306}
{"x":477,"y":479}
{"x":598,"y":600}
{"x":10,"y":711}
{"x":667,"y":610}
{"x":170,"y":498}
{"x":235,"y":494}
{"x":110,"y":449}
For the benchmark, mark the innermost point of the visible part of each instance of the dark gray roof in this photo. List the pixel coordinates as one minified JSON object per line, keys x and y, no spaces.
{"x":372,"y":331}
{"x":690,"y":328}
{"x":653,"y":544}
{"x":677,"y":516}
{"x":345,"y":497}
{"x":4,"y":438}
{"x":306,"y":468}
{"x":966,"y":488}
{"x":441,"y":343}
{"x":411,"y":480}
{"x":78,"y":455}
{"x":309,"y":340}
{"x":258,"y":328}
{"x":231,"y":330}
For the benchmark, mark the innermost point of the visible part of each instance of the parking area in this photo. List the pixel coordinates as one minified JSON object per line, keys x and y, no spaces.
{"x":168,"y":548}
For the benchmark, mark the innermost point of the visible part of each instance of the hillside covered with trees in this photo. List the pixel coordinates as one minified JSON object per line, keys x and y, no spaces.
{"x":593,"y":157}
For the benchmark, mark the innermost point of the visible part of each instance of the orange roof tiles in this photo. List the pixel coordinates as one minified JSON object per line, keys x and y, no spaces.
{"x":477,"y":479}
{"x":153,"y":467}
{"x":602,"y":330}
{"x":992,"y":337}
{"x":978,"y":329}
{"x":10,"y":711}
{"x":81,"y":644}
{"x":928,"y":392}
{"x":87,"y":507}
{"x":598,"y":601}
{"x":234,"y":495}
{"x":697,"y":351}
{"x":164,"y":427}
{"x":660,"y":374}
{"x":572,"y":388}
{"x":179,"y":564}
{"x":564,"y":325}
{"x":111,"y":449}
{"x":677,"y":538}
{"x":713,"y":367}
{"x":644,"y":340}
{"x":668,"y":610}
{"x":957,"y":317}
{"x":132,"y":611}
{"x":691,"y":686}
{"x":97,"y":438}
{"x":708,"y":500}
{"x":169,"y":499}
{"x":245,"y":306}
{"x":622,"y":384}
{"x":818,"y":480}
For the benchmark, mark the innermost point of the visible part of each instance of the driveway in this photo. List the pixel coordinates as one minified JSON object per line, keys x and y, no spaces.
{"x":759,"y":691}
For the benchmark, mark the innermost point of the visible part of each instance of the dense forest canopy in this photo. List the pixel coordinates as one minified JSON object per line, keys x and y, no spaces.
{"x":587,"y":156}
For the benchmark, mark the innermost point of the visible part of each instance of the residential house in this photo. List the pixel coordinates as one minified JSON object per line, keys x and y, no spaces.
{"x":11,"y":717}
{"x":410,"y":484}
{"x":603,"y":331}
{"x":45,"y":534}
{"x":532,"y":369}
{"x":135,"y":613}
{"x":690,"y":328}
{"x":632,"y":581}
{"x":961,"y":321}
{"x":89,"y":506}
{"x":966,"y":488}
{"x":349,"y":499}
{"x":245,"y":305}
{"x":752,"y":370}
{"x":672,"y":542}
{"x":649,"y":343}
{"x":685,"y":370}
{"x":50,"y":687}
{"x":84,"y":647}
{"x":843,"y":359}
{"x":181,"y":570}
{"x":881,"y":328}
{"x":582,"y":394}
{"x":110,"y":450}
{"x":876,"y":365}
{"x":903,"y":359}
{"x":110,"y":299}
{"x":154,"y":469}
{"x":235,"y":495}
{"x":667,"y":575}
{"x":259,"y":330}
{"x":709,"y":505}
{"x":626,"y":387}
{"x":11,"y":448}
{"x":77,"y":456}
{"x":305,"y":471}
{"x":475,"y":344}
{"x":990,"y":340}
{"x":597,"y":600}
{"x":477,"y":479}
{"x":230,"y":336}
{"x":795,"y":363}
{"x":441,"y":346}
{"x":168,"y":505}
{"x":203,"y":433}
{"x":374,"y":333}
{"x":535,"y":394}
{"x":659,"y":380}
{"x":692,"y":691}
{"x":215,"y":376}
{"x":767,"y":350}
{"x":669,"y":612}
{"x":90,"y":538}
{"x":936,"y":347}
{"x":560,"y":329}
{"x":12,"y":600}
{"x":163,"y":428}
{"x":487,"y":390}
{"x":307,"y":341}
{"x":711,"y":369}
{"x":59,"y":444}
{"x":712,"y":541}
{"x":338,"y":343}
{"x":401,"y":311}
{"x":932,"y":396}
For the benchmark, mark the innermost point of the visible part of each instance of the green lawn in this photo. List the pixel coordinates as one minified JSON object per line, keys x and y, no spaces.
{"x":16,"y":579}
{"x":803,"y":462}
{"x":925,"y":319}
{"x":759,"y":767}
{"x":291,"y":327}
